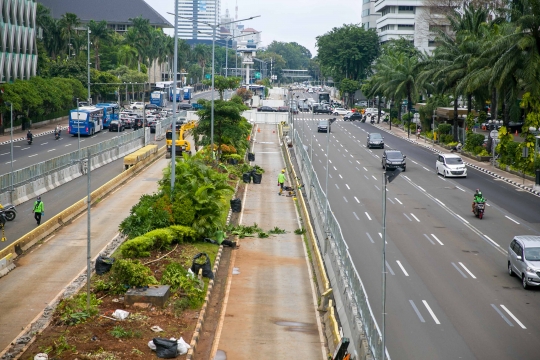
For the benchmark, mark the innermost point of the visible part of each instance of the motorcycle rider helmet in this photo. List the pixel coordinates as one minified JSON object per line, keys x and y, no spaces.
{"x":39,"y":198}
{"x":479,"y":193}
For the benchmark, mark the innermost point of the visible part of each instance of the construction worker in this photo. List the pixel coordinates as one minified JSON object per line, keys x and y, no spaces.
{"x":281,"y":181}
{"x":39,"y":210}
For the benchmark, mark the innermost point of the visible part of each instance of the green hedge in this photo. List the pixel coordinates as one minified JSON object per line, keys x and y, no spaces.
{"x":141,"y":246}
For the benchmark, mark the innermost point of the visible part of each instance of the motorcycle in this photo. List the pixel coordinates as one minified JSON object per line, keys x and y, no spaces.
{"x":57,"y":135}
{"x":9,"y":212}
{"x":29,"y":141}
{"x":372,"y":121}
{"x":479,"y":210}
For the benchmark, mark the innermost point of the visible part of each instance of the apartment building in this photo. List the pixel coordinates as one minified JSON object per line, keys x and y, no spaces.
{"x":369,"y":15}
{"x":200,"y":11}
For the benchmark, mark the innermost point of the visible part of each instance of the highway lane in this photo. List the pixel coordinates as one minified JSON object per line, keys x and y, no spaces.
{"x":59,"y":199}
{"x":439,"y":253}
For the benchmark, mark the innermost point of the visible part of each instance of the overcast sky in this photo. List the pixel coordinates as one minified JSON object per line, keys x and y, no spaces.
{"x":285,"y":20}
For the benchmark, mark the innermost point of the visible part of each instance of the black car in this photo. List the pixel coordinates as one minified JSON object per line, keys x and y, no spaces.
{"x":185,"y":106}
{"x":324,"y":126}
{"x":151,"y":107}
{"x":113,"y":126}
{"x":375,"y":140}
{"x":353,"y":116}
{"x":392,"y":159}
{"x":266,"y":108}
{"x":322,"y":109}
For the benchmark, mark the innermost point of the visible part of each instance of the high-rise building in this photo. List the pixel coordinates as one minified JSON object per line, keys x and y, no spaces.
{"x":197,"y":12}
{"x":18,"y":52}
{"x":369,"y":16}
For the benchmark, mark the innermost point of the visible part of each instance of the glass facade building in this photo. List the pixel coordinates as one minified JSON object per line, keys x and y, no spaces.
{"x":18,"y":52}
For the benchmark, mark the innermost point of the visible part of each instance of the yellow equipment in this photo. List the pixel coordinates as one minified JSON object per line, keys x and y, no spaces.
{"x":139,"y":155}
{"x":182,"y":145}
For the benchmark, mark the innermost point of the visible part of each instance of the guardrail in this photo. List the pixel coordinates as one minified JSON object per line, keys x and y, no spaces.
{"x":355,"y":309}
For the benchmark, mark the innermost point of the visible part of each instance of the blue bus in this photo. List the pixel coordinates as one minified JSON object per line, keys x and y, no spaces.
{"x":111,"y":112}
{"x":158,"y":98}
{"x":86,"y":120}
{"x":188,"y":92}
{"x":179,"y":94}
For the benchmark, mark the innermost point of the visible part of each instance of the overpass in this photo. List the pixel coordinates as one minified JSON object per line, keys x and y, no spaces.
{"x":298,"y":74}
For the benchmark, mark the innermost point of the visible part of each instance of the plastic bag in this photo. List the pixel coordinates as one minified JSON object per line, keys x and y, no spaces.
{"x":246,"y":177}
{"x":41,"y":356}
{"x":206,"y":267}
{"x":165,"y":348}
{"x":151,"y":345}
{"x":251,"y":157}
{"x":103,"y":264}
{"x":236,"y":205}
{"x":183,"y":347}
{"x":257,"y":178}
{"x":120,"y":314}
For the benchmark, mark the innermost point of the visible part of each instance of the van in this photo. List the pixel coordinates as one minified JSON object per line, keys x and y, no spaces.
{"x":523,"y":259}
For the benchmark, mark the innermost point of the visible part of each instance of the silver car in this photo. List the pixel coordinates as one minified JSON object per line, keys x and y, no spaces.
{"x":524,"y":259}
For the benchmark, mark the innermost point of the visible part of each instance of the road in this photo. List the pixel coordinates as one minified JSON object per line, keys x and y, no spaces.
{"x":448,"y":292}
{"x":46,"y":147}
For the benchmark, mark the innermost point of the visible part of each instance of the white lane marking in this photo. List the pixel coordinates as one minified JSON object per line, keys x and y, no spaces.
{"x":462,"y":219}
{"x":33,"y":155}
{"x":425,"y":168}
{"x":330,"y":176}
{"x":319,"y":159}
{"x":330,"y":161}
{"x":377,"y":156}
{"x":368,"y":215}
{"x":431,"y":312}
{"x":488,"y":204}
{"x":407,"y":216}
{"x":402,"y":268}
{"x":502,"y":315}
{"x":358,"y":201}
{"x":414,"y":216}
{"x":55,"y":149}
{"x":339,"y":144}
{"x":439,"y":241}
{"x":356,"y":216}
{"x":421,"y":188}
{"x":9,"y":162}
{"x":345,"y":149}
{"x":364,"y":168}
{"x":380,"y":235}
{"x":4,"y":154}
{"x":340,"y":176}
{"x":377,"y":187}
{"x":47,"y":143}
{"x":509,"y":218}
{"x":25,"y":148}
{"x":344,"y":198}
{"x":513,"y":317}
{"x":460,"y":188}
{"x":347,"y":186}
{"x":414,"y":162}
{"x":398,"y":201}
{"x":440,"y":202}
{"x":490,"y":240}
{"x":366,"y":177}
{"x":357,"y":168}
{"x":332,"y":166}
{"x":334,"y":184}
{"x":371,"y":175}
{"x":72,"y":144}
{"x":387,"y":265}
{"x":358,"y":162}
{"x":370,"y":239}
{"x":467,"y":270}
{"x":416,"y":311}
{"x":427,"y":237}
{"x":459,"y":270}
{"x":391,"y":200}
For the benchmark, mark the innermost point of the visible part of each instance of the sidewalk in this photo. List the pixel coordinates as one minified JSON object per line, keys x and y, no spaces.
{"x":485,"y":167}
{"x":37,"y":130}
{"x":269,"y":309}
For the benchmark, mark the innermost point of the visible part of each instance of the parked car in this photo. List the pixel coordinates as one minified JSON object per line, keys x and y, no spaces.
{"x":113,"y":126}
{"x":185,"y":106}
{"x":352,"y":116}
{"x":283,"y":109}
{"x":340,"y":111}
{"x":137,"y":106}
{"x":266,"y":109}
{"x":392,"y":159}
{"x":375,"y":140}
{"x":324,"y":126}
{"x":450,"y":165}
{"x":523,"y":259}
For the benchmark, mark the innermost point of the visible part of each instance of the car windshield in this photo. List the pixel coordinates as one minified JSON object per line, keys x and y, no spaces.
{"x":394,"y":155}
{"x":324,"y":122}
{"x":532,"y":254}
{"x":375,"y":136}
{"x":454,"y":161}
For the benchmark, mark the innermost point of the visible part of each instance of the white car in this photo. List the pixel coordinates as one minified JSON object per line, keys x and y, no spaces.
{"x":340,"y":111}
{"x":137,"y":106}
{"x":374,"y":111}
{"x":450,"y":165}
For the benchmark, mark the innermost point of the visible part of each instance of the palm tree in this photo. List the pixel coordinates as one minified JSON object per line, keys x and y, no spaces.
{"x":139,"y":37}
{"x":128,"y":55}
{"x":200,"y":53}
{"x":98,"y":32}
{"x":68,"y":23}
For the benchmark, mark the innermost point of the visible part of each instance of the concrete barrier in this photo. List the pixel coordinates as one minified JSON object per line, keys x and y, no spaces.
{"x":8,"y":254}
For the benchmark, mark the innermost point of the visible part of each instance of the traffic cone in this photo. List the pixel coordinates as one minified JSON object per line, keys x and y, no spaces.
{"x":516,"y":133}
{"x":259,"y":130}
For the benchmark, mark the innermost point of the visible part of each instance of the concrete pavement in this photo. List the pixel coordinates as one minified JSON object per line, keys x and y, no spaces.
{"x":270,"y":310}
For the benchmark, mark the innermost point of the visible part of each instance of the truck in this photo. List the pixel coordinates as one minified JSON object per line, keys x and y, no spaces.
{"x":324,"y":97}
{"x":158,"y":98}
{"x":181,"y":145}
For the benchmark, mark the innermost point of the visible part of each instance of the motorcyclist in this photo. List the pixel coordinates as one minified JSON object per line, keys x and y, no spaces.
{"x":29,"y":135}
{"x":57,"y":131}
{"x":478,"y":198}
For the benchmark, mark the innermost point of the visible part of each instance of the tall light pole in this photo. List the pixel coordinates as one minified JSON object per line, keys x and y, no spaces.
{"x":227,"y":48}
{"x":78,"y":131}
{"x":11,"y":144}
{"x":175,"y":72}
{"x":87,"y":29}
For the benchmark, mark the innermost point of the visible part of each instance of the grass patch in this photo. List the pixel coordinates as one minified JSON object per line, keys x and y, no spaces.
{"x":120,"y":333}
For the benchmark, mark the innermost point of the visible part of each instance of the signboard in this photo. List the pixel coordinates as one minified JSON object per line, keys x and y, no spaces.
{"x":207,"y":76}
{"x":494,"y":134}
{"x":257,"y":75}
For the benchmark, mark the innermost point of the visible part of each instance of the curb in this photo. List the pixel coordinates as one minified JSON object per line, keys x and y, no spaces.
{"x":36,"y":135}
{"x":476,"y":167}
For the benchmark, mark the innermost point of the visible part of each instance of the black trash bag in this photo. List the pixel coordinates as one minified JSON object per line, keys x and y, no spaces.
{"x":246,"y":177}
{"x":236,"y":205}
{"x":103,"y":264}
{"x":257,"y":178}
{"x":206,"y":267}
{"x":233,"y":161}
{"x":165,"y":348}
{"x":251,"y":157}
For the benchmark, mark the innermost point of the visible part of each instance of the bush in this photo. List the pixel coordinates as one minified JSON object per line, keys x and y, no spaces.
{"x":183,"y":233}
{"x":483,"y":153}
{"x":73,"y":310}
{"x":473,"y":141}
{"x":446,"y":138}
{"x":151,"y":212}
{"x":478,"y":149}
{"x":173,"y":274}
{"x":127,"y":273}
{"x":183,"y":212}
{"x":155,"y":240}
{"x":444,"y":129}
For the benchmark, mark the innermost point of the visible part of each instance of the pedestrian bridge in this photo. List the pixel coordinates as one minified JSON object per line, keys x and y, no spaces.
{"x":291,"y":73}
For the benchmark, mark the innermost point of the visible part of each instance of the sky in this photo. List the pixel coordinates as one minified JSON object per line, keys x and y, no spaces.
{"x":300,"y":21}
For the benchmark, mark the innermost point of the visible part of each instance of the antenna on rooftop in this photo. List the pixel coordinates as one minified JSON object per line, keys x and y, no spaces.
{"x":236,"y":8}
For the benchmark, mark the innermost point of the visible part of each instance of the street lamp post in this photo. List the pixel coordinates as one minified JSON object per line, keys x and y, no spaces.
{"x":78,"y":131}
{"x":11,"y":145}
{"x":87,"y":29}
{"x":175,"y":73}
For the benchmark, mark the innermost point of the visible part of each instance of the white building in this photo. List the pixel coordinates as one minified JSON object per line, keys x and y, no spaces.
{"x":369,"y":15}
{"x":200,"y":11}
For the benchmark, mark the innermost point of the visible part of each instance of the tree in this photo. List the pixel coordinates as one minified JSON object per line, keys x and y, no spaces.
{"x":349,"y":86}
{"x":68,"y":23}
{"x":222,"y":83}
{"x":201,"y":53}
{"x":139,"y":37}
{"x":98,"y":33}
{"x":244,"y":94}
{"x":295,"y":55}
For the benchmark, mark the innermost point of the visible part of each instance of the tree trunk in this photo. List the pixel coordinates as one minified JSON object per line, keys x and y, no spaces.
{"x":506,"y":111}
{"x":455,"y":117}
{"x":469,"y":103}
{"x":378,"y":109}
{"x":409,"y":103}
{"x":494,"y":104}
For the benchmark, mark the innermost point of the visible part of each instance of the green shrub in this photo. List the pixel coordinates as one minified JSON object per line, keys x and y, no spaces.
{"x":119,"y":332}
{"x":151,"y":212}
{"x":126,"y":273}
{"x":444,"y":129}
{"x":446,"y":138}
{"x":473,"y":141}
{"x":183,"y":234}
{"x":182,"y":211}
{"x":173,"y":275}
{"x":138,"y":247}
{"x":157,"y":239}
{"x":478,"y":149}
{"x":73,"y":310}
{"x":483,"y":153}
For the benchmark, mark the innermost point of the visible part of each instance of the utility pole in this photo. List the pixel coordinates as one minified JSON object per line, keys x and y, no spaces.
{"x":175,"y":72}
{"x":88,"y":242}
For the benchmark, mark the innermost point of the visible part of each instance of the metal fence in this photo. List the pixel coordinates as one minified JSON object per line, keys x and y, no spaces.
{"x":347,"y":281}
{"x":265,"y":117}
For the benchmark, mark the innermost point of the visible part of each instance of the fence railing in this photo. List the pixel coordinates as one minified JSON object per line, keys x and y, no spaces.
{"x":356,"y":305}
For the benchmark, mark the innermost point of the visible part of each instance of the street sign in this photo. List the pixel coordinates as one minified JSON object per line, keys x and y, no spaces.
{"x":257,"y":75}
{"x":208,"y":76}
{"x":494,"y":134}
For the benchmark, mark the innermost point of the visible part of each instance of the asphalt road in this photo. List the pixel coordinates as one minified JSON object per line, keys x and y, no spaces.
{"x":448,"y":292}
{"x":46,"y":147}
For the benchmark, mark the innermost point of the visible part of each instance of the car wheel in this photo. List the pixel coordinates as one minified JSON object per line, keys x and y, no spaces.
{"x":510,"y":271}
{"x":382,"y":165}
{"x":524,"y":282}
{"x":404,"y":168}
{"x":444,"y":173}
